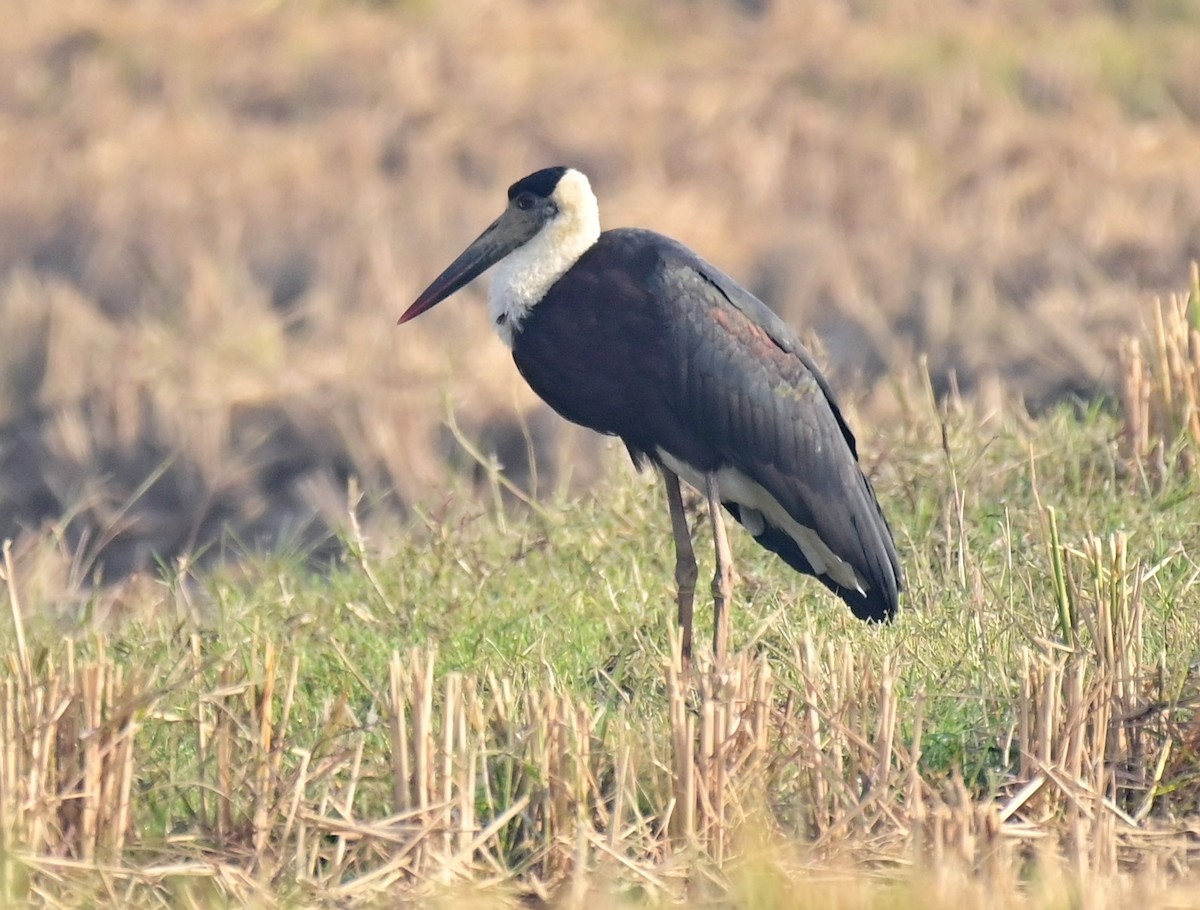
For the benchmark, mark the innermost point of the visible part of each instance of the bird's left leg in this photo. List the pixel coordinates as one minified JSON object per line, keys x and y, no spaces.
{"x":722,"y":586}
{"x":685,"y":562}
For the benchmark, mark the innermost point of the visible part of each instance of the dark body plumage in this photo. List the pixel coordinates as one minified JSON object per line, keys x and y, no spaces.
{"x":644,"y":340}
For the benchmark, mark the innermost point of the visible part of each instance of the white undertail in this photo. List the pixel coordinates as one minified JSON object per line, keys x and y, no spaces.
{"x":524,"y":276}
{"x":758,"y":507}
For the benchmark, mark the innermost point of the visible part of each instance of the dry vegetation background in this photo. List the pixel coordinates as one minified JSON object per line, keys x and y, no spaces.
{"x":211,"y":213}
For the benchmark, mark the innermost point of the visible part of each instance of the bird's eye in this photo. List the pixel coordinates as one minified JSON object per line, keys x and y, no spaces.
{"x":526,"y":201}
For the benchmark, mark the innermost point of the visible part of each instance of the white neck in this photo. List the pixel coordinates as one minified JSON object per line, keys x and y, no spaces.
{"x":524,"y":276}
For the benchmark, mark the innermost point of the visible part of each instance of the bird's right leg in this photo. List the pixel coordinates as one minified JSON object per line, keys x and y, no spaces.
{"x":685,"y":562}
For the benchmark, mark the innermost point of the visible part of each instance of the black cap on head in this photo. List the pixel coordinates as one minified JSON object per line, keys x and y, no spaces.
{"x":540,"y":183}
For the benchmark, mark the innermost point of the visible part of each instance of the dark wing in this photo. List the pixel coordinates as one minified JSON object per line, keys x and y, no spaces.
{"x":747,"y":384}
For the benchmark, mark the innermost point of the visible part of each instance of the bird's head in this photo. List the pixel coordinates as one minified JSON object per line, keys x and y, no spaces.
{"x":550,"y":221}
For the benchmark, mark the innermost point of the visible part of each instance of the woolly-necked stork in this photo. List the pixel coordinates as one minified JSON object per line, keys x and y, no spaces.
{"x":632,"y":334}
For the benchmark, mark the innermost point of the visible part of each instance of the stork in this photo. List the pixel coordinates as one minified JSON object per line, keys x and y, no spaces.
{"x":633,"y":335}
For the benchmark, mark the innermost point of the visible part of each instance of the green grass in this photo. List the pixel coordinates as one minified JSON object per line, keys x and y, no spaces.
{"x":577,"y":597}
{"x":589,"y":586}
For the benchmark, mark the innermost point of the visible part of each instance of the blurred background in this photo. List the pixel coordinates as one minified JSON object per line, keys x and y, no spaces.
{"x":213,"y":211}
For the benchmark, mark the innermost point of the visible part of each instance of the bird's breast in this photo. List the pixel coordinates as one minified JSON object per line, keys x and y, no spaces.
{"x":596,"y":353}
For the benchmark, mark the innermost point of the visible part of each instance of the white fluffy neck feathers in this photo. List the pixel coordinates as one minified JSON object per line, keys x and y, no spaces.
{"x":523,"y":277}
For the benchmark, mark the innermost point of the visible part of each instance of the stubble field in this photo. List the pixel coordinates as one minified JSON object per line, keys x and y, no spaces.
{"x":300,"y":608}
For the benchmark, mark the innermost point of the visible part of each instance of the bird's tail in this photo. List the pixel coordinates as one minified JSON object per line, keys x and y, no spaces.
{"x":879,"y":604}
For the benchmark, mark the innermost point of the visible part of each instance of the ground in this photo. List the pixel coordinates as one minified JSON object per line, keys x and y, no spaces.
{"x":302,"y":607}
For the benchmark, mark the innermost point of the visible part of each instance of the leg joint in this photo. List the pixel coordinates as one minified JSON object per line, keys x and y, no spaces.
{"x":686,"y":572}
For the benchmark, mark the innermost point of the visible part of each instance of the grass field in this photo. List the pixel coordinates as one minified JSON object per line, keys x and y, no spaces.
{"x":298,"y":608}
{"x":483,"y":706}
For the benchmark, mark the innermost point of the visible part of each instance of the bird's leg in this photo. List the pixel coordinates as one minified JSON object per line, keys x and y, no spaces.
{"x":685,"y":561}
{"x":722,"y":586}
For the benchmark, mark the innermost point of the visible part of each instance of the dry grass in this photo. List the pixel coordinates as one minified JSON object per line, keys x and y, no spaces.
{"x":1161,"y":389}
{"x":220,"y":208}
